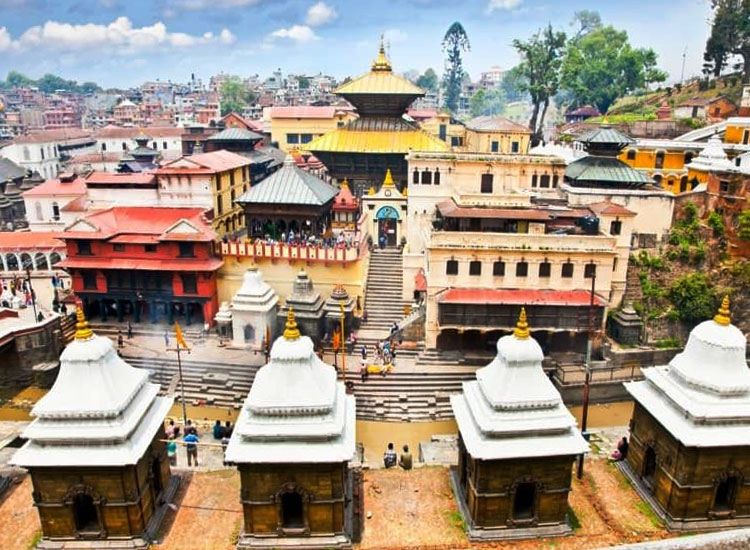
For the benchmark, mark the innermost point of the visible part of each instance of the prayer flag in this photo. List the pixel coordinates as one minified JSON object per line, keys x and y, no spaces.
{"x":179,"y":336}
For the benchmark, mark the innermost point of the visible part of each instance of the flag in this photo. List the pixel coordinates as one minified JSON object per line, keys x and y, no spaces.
{"x":179,"y":336}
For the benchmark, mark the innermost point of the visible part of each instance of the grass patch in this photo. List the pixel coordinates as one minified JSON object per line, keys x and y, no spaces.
{"x":457,"y":520}
{"x":36,"y":540}
{"x":646,"y":510}
{"x":575,"y":523}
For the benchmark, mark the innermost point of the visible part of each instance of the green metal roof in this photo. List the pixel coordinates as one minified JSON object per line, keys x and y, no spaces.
{"x":605,"y":134}
{"x":290,"y":185}
{"x":607,"y":170}
{"x":236,"y":134}
{"x":9,"y":170}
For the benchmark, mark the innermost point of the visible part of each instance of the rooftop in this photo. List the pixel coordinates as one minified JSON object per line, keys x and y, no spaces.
{"x":205,"y":163}
{"x":236,"y":134}
{"x":60,"y":186}
{"x":591,"y":170}
{"x":55,"y":136}
{"x":381,"y":136}
{"x":114,"y":179}
{"x":304,"y":111}
{"x":153,"y":132}
{"x":496,"y":124}
{"x":28,"y":240}
{"x":290,"y":185}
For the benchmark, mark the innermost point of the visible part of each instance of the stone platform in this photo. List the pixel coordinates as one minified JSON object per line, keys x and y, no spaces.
{"x":247,"y":542}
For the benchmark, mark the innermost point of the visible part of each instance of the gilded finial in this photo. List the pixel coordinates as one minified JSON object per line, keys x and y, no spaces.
{"x":388,"y":181}
{"x":345,"y":183}
{"x":723,"y":317}
{"x":381,"y":62}
{"x":522,"y":326}
{"x":291,"y":331}
{"x":83,"y":331}
{"x":371,"y":190}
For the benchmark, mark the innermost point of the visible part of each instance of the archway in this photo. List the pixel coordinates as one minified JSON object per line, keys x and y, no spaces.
{"x":249,"y":333}
{"x":54,"y":258}
{"x":26,"y":262}
{"x":649,"y":464}
{"x":387,"y":218}
{"x":524,"y":501}
{"x":292,"y":511}
{"x":726,"y":492}
{"x":85,"y":514}
{"x":40,"y":261}
{"x":12,"y":261}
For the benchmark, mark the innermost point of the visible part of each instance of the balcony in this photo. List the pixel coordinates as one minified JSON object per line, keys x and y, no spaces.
{"x":295,"y":252}
{"x":475,"y":240}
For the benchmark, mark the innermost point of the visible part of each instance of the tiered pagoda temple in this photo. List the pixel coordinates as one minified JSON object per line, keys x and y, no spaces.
{"x":293,"y":445}
{"x":517,"y":442}
{"x":689,"y":454}
{"x":253,"y":311}
{"x":95,"y":450}
{"x":380,"y":138}
{"x":307,"y":304}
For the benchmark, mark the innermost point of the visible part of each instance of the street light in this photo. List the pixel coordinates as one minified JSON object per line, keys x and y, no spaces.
{"x":587,"y":379}
{"x":31,"y":291}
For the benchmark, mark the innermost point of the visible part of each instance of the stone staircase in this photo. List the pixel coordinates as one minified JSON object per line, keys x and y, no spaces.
{"x":111,"y":328}
{"x":383,"y":301}
{"x":434,"y":357}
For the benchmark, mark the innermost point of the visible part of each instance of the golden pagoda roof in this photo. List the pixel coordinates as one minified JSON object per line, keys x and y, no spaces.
{"x":343,"y":140}
{"x":380,"y":80}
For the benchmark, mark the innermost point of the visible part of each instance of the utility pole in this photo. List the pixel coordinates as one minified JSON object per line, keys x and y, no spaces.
{"x":31,"y":291}
{"x":342,"y":313}
{"x":178,"y":349}
{"x":587,"y":379}
{"x":682,"y":72}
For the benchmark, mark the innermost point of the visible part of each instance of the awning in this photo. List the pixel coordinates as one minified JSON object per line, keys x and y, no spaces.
{"x":141,"y":264}
{"x":519,"y":297}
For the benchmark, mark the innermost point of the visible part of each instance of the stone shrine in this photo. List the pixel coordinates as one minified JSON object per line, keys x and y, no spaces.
{"x":689,"y":454}
{"x":253,"y":311}
{"x":293,"y":444}
{"x":95,"y":453}
{"x":307,"y":304}
{"x":339,"y":298}
{"x":517,"y":442}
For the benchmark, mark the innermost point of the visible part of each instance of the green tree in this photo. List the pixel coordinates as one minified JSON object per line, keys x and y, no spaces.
{"x":487,"y":102}
{"x":304,"y":82}
{"x":17,"y":80}
{"x":730,"y":36}
{"x":428,"y":80}
{"x":234,"y":95}
{"x":541,"y":60}
{"x":602,"y":66}
{"x":455,"y":43}
{"x":693,"y":297}
{"x":743,"y":225}
{"x":513,"y":84}
{"x":89,"y":88}
{"x":586,"y":21}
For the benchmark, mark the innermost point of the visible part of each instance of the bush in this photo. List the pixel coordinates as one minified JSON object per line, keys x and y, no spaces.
{"x":716,"y":223}
{"x":743,"y":225}
{"x":693,"y":297}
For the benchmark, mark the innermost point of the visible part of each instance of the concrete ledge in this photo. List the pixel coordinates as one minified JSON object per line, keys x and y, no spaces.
{"x":510,"y":533}
{"x":251,"y":542}
{"x":725,"y":540}
{"x":673,"y":524}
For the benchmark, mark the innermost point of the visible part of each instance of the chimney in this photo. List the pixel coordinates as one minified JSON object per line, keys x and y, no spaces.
{"x":745,"y":101}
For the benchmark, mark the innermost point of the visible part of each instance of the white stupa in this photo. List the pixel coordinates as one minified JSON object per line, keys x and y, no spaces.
{"x":100,"y":411}
{"x":713,"y":158}
{"x":702,"y":397}
{"x":296,"y":411}
{"x":253,"y":310}
{"x":512,"y":410}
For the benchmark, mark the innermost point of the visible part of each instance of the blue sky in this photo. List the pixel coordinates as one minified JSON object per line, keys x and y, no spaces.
{"x":124,"y":42}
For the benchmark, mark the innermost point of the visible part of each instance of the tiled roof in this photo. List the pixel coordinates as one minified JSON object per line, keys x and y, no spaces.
{"x":380,"y":82}
{"x":422,"y":114}
{"x":605,"y":170}
{"x":605,"y":134}
{"x":519,"y":297}
{"x":100,"y":156}
{"x":345,"y":200}
{"x":495,"y":124}
{"x":449,"y":209}
{"x":114,"y":179}
{"x":610,"y":208}
{"x":303,"y":111}
{"x":28,"y":240}
{"x":52,"y":136}
{"x":205,"y":163}
{"x":236,"y":134}
{"x":9,"y":170}
{"x":53,"y":187}
{"x":290,"y":185}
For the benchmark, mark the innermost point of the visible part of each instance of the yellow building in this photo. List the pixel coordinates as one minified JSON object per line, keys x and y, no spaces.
{"x":492,"y":134}
{"x":213,"y":180}
{"x":738,"y":131}
{"x":444,"y":127}
{"x":294,"y":127}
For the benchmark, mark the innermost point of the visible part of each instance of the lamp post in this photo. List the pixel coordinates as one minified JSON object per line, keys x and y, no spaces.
{"x":587,"y":379}
{"x":31,"y":291}
{"x":342,"y":313}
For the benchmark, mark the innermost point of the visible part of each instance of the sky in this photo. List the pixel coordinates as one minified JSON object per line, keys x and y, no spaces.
{"x":121,"y":43}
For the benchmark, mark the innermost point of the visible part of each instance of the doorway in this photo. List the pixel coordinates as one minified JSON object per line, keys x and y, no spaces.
{"x":726,"y":491}
{"x":524,"y":501}
{"x":291,"y":511}
{"x":649,"y":464}
{"x":85,"y":514}
{"x":387,"y":218}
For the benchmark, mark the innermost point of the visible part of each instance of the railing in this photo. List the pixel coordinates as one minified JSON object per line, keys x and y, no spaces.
{"x":576,"y":374}
{"x":295,"y":252}
{"x":523,"y":241}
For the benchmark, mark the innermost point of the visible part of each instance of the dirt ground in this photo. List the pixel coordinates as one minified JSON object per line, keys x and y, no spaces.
{"x":20,"y":521}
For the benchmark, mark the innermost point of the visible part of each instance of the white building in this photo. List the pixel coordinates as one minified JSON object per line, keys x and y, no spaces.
{"x":253,"y":311}
{"x":44,"y":151}
{"x":56,"y":203}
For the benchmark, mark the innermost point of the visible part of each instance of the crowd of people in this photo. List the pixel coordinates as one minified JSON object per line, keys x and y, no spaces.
{"x":390,"y":459}
{"x":302,"y":238}
{"x":191,"y":439}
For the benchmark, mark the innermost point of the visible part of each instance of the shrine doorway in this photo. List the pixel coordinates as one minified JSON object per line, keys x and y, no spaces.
{"x":387,"y":218}
{"x":649,"y":464}
{"x":726,"y":492}
{"x":524,"y":501}
{"x":292,"y":511}
{"x":85,"y":514}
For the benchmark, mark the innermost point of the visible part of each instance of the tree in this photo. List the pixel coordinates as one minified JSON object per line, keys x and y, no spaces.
{"x":234,"y":95}
{"x":487,"y":102}
{"x":455,"y":43}
{"x":428,"y":80}
{"x":602,"y":66}
{"x":513,"y":84}
{"x":541,"y":60}
{"x":18,"y":80}
{"x":730,"y":35}
{"x":693,"y":297}
{"x":743,"y":225}
{"x":304,"y":82}
{"x":89,"y":88}
{"x":587,"y":21}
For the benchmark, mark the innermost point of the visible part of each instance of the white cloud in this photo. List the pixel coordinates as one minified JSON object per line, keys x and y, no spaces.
{"x":320,"y":14}
{"x":502,"y":5}
{"x":197,"y":5}
{"x":298,"y":33}
{"x":119,"y":36}
{"x":394,"y":36}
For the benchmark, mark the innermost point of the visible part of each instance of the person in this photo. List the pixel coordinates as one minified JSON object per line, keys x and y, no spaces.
{"x":394,"y":328}
{"x":64,"y":309}
{"x":173,"y":429}
{"x":405,"y":460}
{"x":218,"y":430}
{"x":364,"y":353}
{"x":119,"y":339}
{"x":381,"y":242}
{"x":389,"y":457}
{"x":190,"y":429}
{"x":130,"y":330}
{"x":40,"y":317}
{"x":191,"y":443}
{"x":166,"y":338}
{"x":621,"y":453}
{"x":172,"y":450}
{"x":228,"y":429}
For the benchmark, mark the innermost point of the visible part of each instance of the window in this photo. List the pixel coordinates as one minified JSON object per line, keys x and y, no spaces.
{"x":475,"y":268}
{"x":305,"y":138}
{"x":589,"y":271}
{"x":495,"y":147}
{"x":524,"y":501}
{"x":442,"y":131}
{"x":436,"y":176}
{"x":515,"y":147}
{"x":187,"y":250}
{"x":163,"y":145}
{"x":124,"y":146}
{"x":724,"y":186}
{"x":726,"y":491}
{"x":149,"y":248}
{"x":426,"y":177}
{"x":89,"y":280}
{"x":41,"y":151}
{"x":555,"y":180}
{"x":55,"y":211}
{"x":292,"y":139}
{"x":38,"y":211}
{"x":104,"y":146}
{"x":219,"y":205}
{"x":189,"y":284}
{"x":451,"y":267}
{"x":415,"y":176}
{"x":457,"y":141}
{"x":683,"y":184}
{"x":615,"y":227}
{"x":534,"y":180}
{"x":545,"y":269}
{"x":84,"y":248}
{"x":486,"y":183}
{"x":746,"y":137}
{"x":118,"y":247}
{"x":231,"y":179}
{"x":544,"y":181}
{"x":631,"y":154}
{"x":567,"y":270}
{"x":659,"y":164}
{"x":688,"y":157}
{"x":498,"y":268}
{"x":292,"y":511}
{"x":657,"y":179}
{"x":522,"y":269}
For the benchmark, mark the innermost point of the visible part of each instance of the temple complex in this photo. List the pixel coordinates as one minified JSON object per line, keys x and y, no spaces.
{"x":517,"y":442}
{"x":361,"y":150}
{"x":253,"y":311}
{"x":307,"y":304}
{"x":689,"y":453}
{"x":96,"y":457}
{"x":294,"y":444}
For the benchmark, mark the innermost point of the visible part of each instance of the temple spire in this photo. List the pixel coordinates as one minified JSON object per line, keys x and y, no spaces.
{"x":83,"y":331}
{"x":723,"y":317}
{"x":381,"y":62}
{"x":522,"y":326}
{"x":291,"y":331}
{"x":388,"y":181}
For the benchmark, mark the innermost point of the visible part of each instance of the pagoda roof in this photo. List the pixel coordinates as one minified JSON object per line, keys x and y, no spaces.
{"x":702,"y":397}
{"x":290,"y":185}
{"x":236,"y":134}
{"x":591,"y":170}
{"x":345,"y":200}
{"x":100,"y":411}
{"x":512,"y":409}
{"x":9,"y":170}
{"x":606,"y":134}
